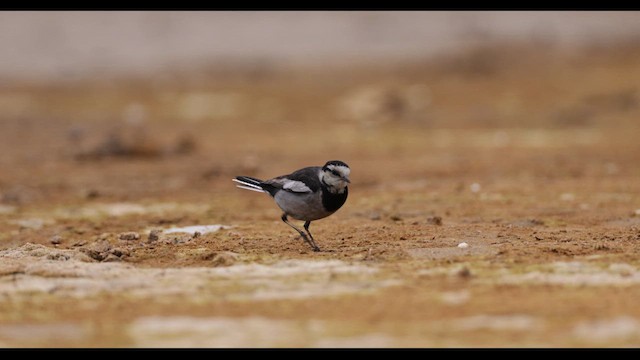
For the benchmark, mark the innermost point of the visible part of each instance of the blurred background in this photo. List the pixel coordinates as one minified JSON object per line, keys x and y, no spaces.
{"x":514,"y":131}
{"x":236,"y":91}
{"x":70,"y":45}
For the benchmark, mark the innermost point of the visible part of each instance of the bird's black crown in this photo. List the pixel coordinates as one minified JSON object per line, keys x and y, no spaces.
{"x":336,"y":163}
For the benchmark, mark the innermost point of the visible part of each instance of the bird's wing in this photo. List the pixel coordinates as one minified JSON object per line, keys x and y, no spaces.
{"x":290,"y":185}
{"x":301,"y":181}
{"x":296,"y":186}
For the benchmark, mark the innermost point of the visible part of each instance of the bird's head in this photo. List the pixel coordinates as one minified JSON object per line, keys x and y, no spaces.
{"x":335,"y":174}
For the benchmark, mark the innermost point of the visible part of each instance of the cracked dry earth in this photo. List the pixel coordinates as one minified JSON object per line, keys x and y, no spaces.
{"x":141,"y":240}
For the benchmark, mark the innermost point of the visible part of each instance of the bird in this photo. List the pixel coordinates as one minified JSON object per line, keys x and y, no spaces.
{"x":307,"y":194}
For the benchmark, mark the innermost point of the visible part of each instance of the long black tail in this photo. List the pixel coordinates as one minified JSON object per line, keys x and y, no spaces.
{"x":249,"y":183}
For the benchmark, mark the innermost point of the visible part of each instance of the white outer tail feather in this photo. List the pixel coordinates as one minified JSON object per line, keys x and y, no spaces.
{"x":248,"y":186}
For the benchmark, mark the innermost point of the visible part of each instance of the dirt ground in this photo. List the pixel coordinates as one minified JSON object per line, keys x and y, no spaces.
{"x":528,"y":154}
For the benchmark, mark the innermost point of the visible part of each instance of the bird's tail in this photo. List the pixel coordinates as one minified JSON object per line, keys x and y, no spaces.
{"x":249,"y":183}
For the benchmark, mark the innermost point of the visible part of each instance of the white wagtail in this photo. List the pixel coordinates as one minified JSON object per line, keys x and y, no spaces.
{"x":307,"y":194}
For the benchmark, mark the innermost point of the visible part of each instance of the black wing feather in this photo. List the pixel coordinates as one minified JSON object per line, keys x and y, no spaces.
{"x":308,"y":176}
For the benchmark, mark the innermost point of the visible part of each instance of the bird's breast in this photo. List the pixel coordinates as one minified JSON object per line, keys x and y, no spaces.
{"x":333,"y":201}
{"x":302,"y":206}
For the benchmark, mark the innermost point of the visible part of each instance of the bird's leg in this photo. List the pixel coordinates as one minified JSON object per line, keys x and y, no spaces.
{"x":312,"y":242}
{"x":304,"y":236}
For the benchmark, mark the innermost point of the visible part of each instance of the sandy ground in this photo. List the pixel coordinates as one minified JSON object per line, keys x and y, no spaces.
{"x":530,"y":156}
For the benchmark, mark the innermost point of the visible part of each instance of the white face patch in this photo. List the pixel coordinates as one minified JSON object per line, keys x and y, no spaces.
{"x":342,"y":170}
{"x":336,"y":183}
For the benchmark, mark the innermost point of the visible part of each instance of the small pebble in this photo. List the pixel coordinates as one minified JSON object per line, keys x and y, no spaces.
{"x":94,"y":254}
{"x":637,"y":212}
{"x":58,"y":257}
{"x":475,"y":187}
{"x":79,"y":243}
{"x":92,"y":194}
{"x":463,"y":245}
{"x":129,"y":236}
{"x":111,"y":258}
{"x":56,"y":240}
{"x":154,"y":235}
{"x":103,"y":237}
{"x":224,"y":258}
{"x":464,"y":272}
{"x":375,"y":216}
{"x":119,"y":252}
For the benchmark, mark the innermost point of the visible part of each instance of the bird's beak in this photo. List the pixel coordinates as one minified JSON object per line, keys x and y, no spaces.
{"x":347,"y":180}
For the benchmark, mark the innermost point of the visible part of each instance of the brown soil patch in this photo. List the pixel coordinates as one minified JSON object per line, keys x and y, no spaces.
{"x":530,"y":157}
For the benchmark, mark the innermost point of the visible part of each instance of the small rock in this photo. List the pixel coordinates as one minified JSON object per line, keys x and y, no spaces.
{"x":94,"y":254}
{"x":177,"y":240}
{"x":464,"y":273}
{"x":112,"y":258}
{"x":196,"y":235}
{"x":463,"y":245}
{"x":475,"y":187}
{"x":81,"y":256}
{"x":637,"y":212}
{"x":58,"y":257}
{"x":536,"y":222}
{"x":129,"y":236}
{"x":103,"y":237}
{"x":98,"y":250}
{"x":207,"y":255}
{"x":375,"y":216}
{"x":92,"y":194}
{"x":434,"y":220}
{"x":395,"y":217}
{"x":224,"y":258}
{"x":119,"y":252}
{"x":56,"y":240}
{"x":79,"y":243}
{"x":154,"y":235}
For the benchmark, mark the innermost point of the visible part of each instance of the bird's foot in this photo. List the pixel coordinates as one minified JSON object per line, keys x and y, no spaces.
{"x":306,"y":239}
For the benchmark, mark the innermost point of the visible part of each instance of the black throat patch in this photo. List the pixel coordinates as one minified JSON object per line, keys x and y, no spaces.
{"x":333,"y":201}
